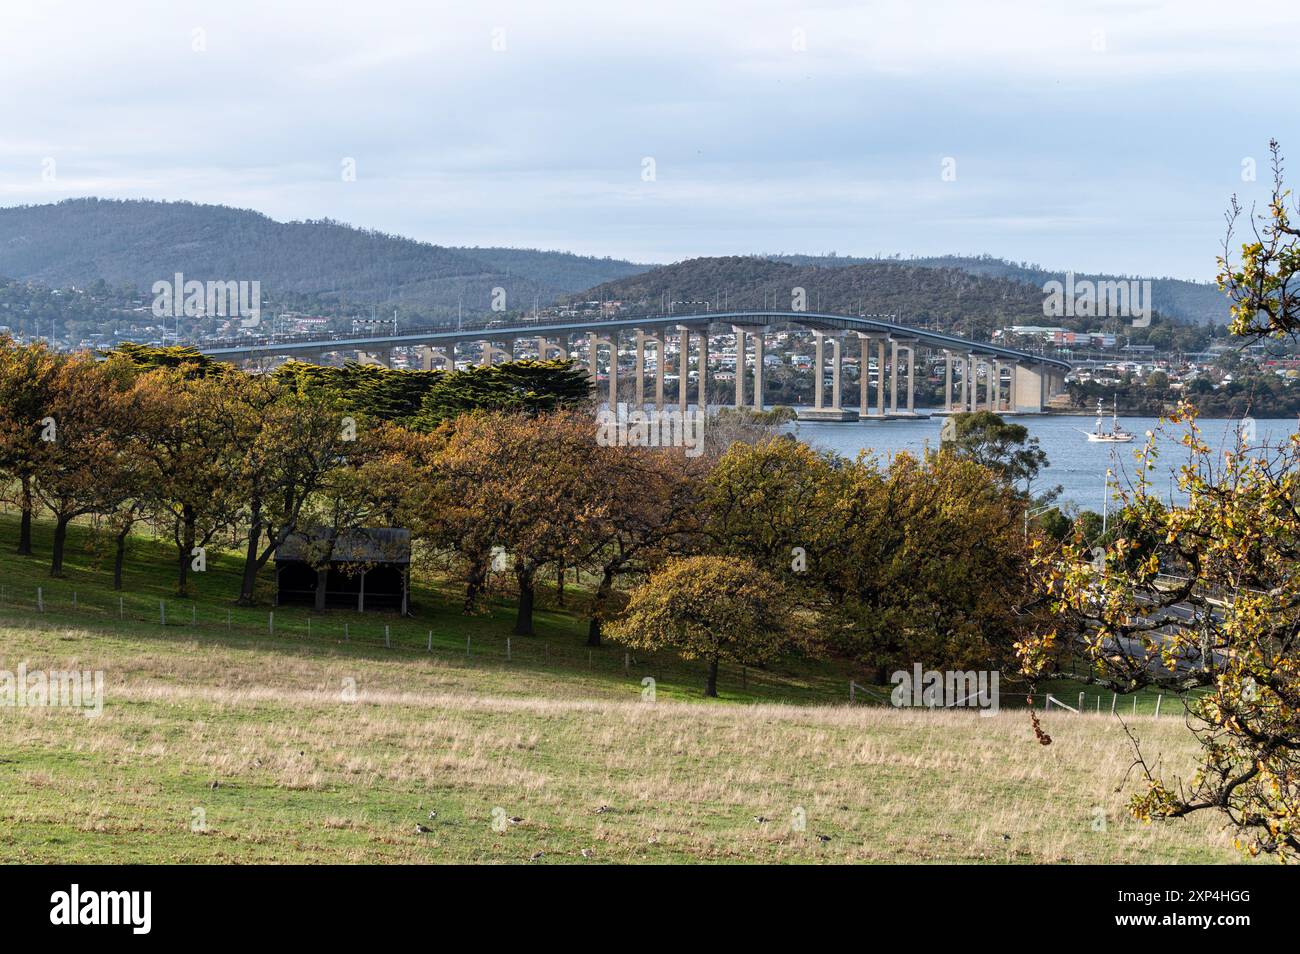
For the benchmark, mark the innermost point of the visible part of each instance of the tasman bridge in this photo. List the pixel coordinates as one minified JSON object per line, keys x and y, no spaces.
{"x":1010,"y":380}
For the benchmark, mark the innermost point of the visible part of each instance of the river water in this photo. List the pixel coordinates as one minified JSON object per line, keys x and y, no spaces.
{"x":1074,"y":463}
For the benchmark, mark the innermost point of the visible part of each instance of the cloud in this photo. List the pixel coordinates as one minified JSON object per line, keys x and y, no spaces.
{"x":1098,"y":136}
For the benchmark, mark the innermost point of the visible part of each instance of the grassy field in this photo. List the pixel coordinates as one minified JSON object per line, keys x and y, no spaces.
{"x":229,"y":743}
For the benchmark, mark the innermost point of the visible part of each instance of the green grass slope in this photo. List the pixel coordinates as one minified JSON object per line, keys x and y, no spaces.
{"x":225,"y":742}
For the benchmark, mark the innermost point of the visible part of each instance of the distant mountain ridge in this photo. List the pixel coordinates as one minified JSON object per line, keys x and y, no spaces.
{"x":1175,"y":298}
{"x":948,"y":299}
{"x":138,"y":242}
{"x":345,"y":270}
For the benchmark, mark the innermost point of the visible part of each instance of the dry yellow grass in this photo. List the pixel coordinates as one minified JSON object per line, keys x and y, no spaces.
{"x":303,"y":773}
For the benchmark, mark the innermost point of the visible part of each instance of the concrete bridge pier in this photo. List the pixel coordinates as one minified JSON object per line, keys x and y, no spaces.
{"x":547,"y":350}
{"x":379,"y":359}
{"x":638,"y":372}
{"x":819,"y":370}
{"x":592,"y":372}
{"x":743,"y":333}
{"x":864,"y":374}
{"x":893,"y":375}
{"x":740,"y":366}
{"x":659,"y":339}
{"x":1028,"y":389}
{"x":880,"y":375}
{"x":429,"y":357}
{"x":496,"y":349}
{"x":971,"y":391}
{"x":965,"y":382}
{"x":947,"y":380}
{"x":911,"y":378}
{"x":819,"y":411}
{"x":702,"y":384}
{"x":683,"y":366}
{"x":594,"y":344}
{"x":908,"y":345}
{"x":837,"y":370}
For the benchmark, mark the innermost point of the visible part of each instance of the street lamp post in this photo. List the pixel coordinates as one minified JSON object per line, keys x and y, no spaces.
{"x":1105,"y":502}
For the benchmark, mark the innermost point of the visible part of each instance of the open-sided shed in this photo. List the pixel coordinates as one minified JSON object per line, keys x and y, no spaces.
{"x":364,"y":568}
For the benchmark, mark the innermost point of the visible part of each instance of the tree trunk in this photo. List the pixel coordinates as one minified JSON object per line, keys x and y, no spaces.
{"x":524,"y":618}
{"x":559,"y":586}
{"x":119,"y":557}
{"x":186,"y":550}
{"x":25,"y":525}
{"x":598,"y":605}
{"x":251,"y":563}
{"x":711,"y":687}
{"x":474,"y":583}
{"x":322,"y":577}
{"x":60,"y":539}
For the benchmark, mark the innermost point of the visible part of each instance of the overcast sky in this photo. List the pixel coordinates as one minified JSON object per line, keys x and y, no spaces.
{"x":1096,"y":136}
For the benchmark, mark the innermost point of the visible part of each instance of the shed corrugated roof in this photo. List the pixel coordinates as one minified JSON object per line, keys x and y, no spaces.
{"x":354,"y":545}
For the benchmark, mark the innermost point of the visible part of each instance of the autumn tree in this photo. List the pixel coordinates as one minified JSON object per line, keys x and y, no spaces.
{"x":294,"y":440}
{"x":652,"y":512}
{"x":718,"y":609}
{"x":374,"y":485}
{"x":770,"y":502}
{"x":1263,"y":281}
{"x":194,"y":456}
{"x":529,"y":485}
{"x":1203,"y":598}
{"x":930,"y":564}
{"x":27,"y":375}
{"x":89,"y":464}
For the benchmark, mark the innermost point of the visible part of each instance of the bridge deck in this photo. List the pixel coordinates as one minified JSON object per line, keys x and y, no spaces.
{"x":254,"y":346}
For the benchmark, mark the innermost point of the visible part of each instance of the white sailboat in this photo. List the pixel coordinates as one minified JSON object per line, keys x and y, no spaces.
{"x":1116,"y":434}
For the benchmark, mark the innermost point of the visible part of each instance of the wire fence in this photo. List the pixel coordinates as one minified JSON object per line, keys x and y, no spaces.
{"x":396,"y":634}
{"x":1096,"y":703}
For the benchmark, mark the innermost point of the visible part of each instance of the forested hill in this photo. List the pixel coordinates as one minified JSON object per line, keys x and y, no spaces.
{"x":941,"y":298}
{"x":136,"y":243}
{"x":1175,"y":298}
